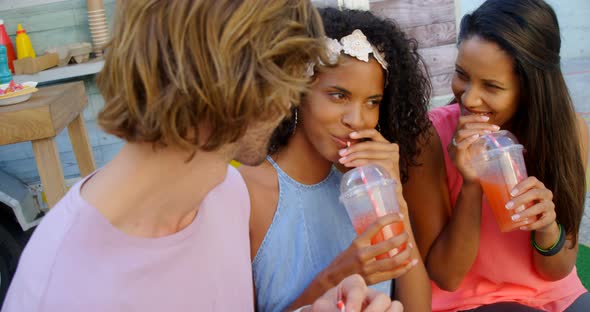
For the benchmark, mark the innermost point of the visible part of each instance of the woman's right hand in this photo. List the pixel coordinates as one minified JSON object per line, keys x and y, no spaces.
{"x":469,"y":129}
{"x":359,"y":257}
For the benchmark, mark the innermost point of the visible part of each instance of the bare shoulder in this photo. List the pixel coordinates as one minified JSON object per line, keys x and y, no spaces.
{"x":263,"y":187}
{"x":431,"y":157}
{"x":433,"y":150}
{"x":583,"y":137}
{"x":261,"y":181}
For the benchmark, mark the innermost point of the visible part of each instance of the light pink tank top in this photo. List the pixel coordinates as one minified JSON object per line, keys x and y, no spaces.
{"x":503,"y":270}
{"x":78,"y":261}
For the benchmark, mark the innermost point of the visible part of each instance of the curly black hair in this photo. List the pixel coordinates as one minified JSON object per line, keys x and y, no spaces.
{"x":403,"y":111}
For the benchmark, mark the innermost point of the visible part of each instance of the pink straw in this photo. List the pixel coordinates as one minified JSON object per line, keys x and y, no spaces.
{"x":514,"y":165}
{"x":387,"y":230}
{"x":371,"y":197}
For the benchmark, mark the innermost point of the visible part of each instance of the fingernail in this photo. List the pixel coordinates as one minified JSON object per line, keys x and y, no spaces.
{"x":393,"y":252}
{"x":342,"y":152}
{"x":523,"y":228}
{"x":414,"y":262}
{"x":342,"y":160}
{"x":401,"y":216}
{"x":484,"y":118}
{"x":353,"y":134}
{"x":487,"y":131}
{"x":475,"y":136}
{"x":515,"y":217}
{"x":496,"y":128}
{"x":410,"y":245}
{"x":514,"y":192}
{"x":509,"y":204}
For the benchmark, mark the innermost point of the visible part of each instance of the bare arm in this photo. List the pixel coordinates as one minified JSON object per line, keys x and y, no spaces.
{"x":262,"y":199}
{"x":262,"y":183}
{"x":413,"y":288}
{"x":443,"y":237}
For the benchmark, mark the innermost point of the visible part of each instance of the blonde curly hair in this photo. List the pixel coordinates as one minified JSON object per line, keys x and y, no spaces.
{"x":174,"y":65}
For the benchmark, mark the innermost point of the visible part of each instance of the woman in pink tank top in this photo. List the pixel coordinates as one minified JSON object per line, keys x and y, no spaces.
{"x":507,"y":76}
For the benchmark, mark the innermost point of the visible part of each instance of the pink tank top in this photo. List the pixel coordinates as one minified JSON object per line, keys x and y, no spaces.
{"x":78,"y":261}
{"x":503,"y":270}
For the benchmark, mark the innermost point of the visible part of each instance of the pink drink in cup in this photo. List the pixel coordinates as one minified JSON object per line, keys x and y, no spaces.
{"x":500,"y":166}
{"x":368,"y":192}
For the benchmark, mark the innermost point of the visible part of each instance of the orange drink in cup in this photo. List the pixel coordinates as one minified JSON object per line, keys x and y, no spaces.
{"x":368,"y":192}
{"x":361,"y":223}
{"x":499,"y":162}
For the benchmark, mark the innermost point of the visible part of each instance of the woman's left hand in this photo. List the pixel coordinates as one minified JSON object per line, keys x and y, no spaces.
{"x":375,"y":150}
{"x":531,"y":190}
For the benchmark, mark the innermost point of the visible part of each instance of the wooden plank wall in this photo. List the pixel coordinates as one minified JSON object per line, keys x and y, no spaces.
{"x":432,"y":23}
{"x":53,"y":24}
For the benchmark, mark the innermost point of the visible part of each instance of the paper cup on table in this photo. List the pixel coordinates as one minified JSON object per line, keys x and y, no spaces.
{"x":95,"y":19}
{"x":92,"y":5}
{"x":97,"y":13}
{"x":100,"y":37}
{"x":100,"y":44}
{"x":100,"y":34}
{"x":96,"y":16}
{"x":92,"y":23}
{"x":99,"y":29}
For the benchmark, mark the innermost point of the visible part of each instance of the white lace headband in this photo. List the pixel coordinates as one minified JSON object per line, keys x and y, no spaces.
{"x":355,"y":45}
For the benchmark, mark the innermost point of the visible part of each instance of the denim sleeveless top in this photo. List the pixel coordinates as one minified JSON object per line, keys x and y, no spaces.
{"x":309,"y":229}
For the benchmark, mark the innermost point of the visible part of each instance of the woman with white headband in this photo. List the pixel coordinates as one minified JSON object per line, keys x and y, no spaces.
{"x":369,"y":105}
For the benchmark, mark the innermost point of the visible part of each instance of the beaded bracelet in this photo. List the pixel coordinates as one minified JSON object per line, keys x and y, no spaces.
{"x":553,"y":249}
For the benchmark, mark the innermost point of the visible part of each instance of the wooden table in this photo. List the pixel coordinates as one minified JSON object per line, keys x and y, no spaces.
{"x":39,"y":120}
